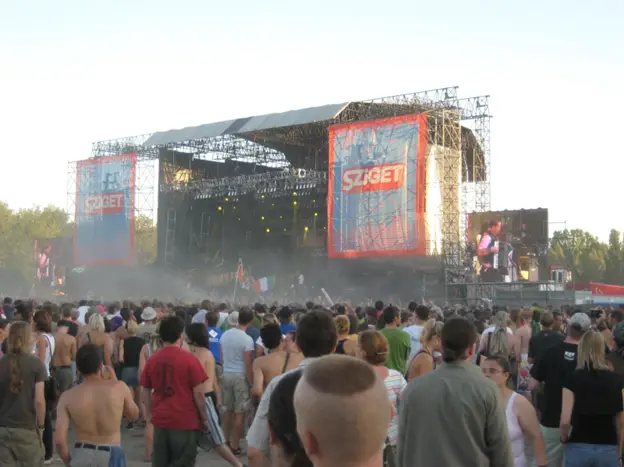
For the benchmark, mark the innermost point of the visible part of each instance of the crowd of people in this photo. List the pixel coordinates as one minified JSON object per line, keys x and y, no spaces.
{"x":311,"y":385}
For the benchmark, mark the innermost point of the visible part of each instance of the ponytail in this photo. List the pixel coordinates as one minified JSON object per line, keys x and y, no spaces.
{"x":499,"y":341}
{"x":15,"y":375}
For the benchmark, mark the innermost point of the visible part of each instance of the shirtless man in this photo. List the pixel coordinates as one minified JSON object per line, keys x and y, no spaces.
{"x":277,"y":361}
{"x":197,"y":338}
{"x":95,"y":408}
{"x":64,"y":356}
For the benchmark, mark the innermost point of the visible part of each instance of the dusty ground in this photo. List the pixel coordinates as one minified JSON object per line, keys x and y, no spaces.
{"x":133,"y":445}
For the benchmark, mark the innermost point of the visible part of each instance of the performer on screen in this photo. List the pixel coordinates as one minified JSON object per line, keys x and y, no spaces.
{"x":43,"y":265}
{"x":488,"y":253}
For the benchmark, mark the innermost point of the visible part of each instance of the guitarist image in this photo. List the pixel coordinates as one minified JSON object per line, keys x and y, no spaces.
{"x":488,"y":253}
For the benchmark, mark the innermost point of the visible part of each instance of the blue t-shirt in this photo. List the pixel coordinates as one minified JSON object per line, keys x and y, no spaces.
{"x":214,"y":340}
{"x":286,"y":328}
{"x":254,"y":333}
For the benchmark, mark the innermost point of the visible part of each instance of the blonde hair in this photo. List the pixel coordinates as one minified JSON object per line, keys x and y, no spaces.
{"x":374,"y":346}
{"x":132,"y":327}
{"x":499,"y":341}
{"x":343,"y":325}
{"x":591,"y":352}
{"x":18,"y":343}
{"x":431,"y":329}
{"x":97,"y":323}
{"x":269,"y":318}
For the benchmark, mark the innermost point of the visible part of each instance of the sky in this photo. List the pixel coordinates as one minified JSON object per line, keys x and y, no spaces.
{"x":74,"y":72}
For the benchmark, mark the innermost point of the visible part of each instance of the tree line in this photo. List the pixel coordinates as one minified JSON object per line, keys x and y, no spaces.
{"x":589,"y":259}
{"x":19,"y":230}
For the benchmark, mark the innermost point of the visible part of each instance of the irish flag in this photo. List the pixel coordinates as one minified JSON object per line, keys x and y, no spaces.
{"x":264,"y":284}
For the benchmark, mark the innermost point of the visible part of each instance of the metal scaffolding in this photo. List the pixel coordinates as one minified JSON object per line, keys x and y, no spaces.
{"x":145,"y":182}
{"x":289,"y":155}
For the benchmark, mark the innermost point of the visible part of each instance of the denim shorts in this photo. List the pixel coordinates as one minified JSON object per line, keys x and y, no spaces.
{"x":130,"y":376}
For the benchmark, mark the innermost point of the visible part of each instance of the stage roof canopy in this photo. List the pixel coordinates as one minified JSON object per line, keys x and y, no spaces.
{"x":302,"y":135}
{"x":249,"y":124}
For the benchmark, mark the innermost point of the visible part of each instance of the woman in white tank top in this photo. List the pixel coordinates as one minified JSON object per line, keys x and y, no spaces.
{"x":522,"y":420}
{"x":44,"y":349}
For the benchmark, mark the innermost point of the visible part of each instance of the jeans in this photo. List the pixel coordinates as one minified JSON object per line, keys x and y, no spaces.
{"x":90,"y":456}
{"x":591,"y":455}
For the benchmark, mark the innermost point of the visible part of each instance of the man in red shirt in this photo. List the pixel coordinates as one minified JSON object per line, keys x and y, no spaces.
{"x":172,"y":383}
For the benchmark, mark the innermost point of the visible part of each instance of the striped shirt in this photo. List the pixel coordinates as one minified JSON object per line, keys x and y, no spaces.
{"x":395,"y":384}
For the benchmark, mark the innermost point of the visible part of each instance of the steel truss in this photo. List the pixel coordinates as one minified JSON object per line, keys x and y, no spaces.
{"x":445,"y":111}
{"x":144,"y":194}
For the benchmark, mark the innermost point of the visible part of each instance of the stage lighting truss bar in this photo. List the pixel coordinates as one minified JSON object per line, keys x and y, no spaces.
{"x":264,"y":183}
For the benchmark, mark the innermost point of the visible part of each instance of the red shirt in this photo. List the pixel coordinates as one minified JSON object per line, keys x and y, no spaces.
{"x":172,"y":373}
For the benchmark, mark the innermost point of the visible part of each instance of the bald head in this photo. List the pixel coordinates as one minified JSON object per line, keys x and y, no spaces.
{"x":338,"y":395}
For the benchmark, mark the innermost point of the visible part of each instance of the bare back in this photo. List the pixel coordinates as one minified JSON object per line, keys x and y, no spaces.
{"x":207,"y":361}
{"x":65,"y":351}
{"x":95,"y":408}
{"x":278,"y":362}
{"x":102,"y":340}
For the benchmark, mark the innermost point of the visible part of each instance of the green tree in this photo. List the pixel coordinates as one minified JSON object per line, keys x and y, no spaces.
{"x":579,"y":251}
{"x":613,"y":259}
{"x":19,"y":231}
{"x":145,"y":246}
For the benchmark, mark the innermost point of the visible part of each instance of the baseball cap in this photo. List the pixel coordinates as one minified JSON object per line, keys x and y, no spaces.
{"x":580,"y":321}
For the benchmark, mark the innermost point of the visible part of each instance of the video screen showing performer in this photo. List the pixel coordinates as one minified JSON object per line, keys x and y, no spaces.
{"x":487,"y":252}
{"x":508,"y":246}
{"x":43,"y":265}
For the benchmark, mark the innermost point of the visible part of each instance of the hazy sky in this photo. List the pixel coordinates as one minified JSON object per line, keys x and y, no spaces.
{"x":73,"y":72}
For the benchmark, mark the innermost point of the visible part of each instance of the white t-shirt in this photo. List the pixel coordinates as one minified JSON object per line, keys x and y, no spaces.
{"x":50,"y":345}
{"x":82,"y":312}
{"x":414,"y":332}
{"x":234,"y":343}
{"x":200,"y":317}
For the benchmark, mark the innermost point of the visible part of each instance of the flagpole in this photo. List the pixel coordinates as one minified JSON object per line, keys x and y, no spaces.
{"x":235,"y":287}
{"x":239,"y":273}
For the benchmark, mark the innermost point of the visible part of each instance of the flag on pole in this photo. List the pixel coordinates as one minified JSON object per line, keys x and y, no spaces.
{"x":264,"y":284}
{"x":240,"y":271}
